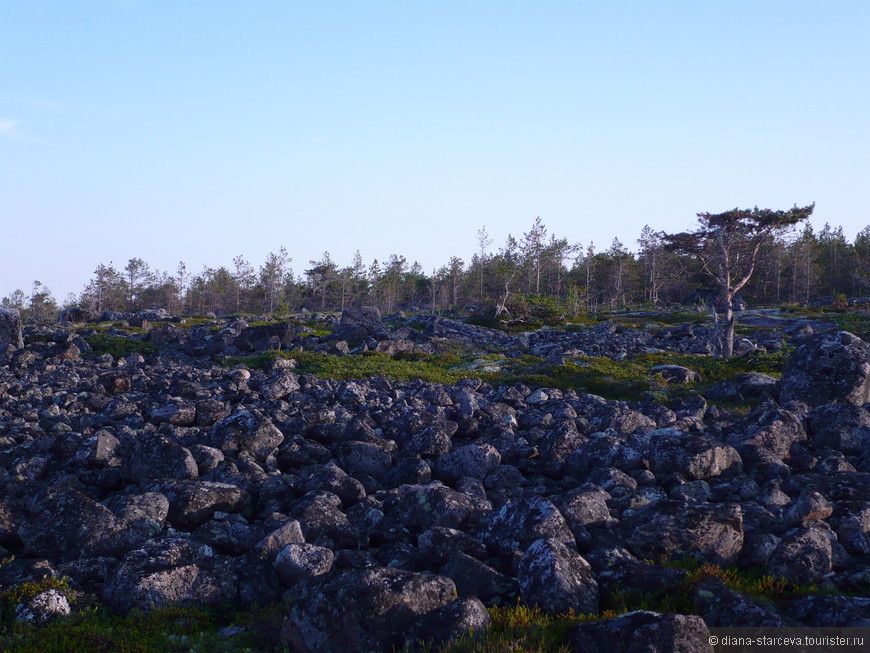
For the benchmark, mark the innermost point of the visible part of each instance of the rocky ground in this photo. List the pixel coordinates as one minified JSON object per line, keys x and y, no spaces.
{"x":390,"y":512}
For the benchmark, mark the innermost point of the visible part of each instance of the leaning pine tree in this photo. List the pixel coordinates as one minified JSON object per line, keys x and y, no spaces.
{"x":727,"y":246}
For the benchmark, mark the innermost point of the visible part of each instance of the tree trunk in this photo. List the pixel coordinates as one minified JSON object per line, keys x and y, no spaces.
{"x":728,"y":339}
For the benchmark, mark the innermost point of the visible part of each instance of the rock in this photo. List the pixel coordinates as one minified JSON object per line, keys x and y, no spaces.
{"x":770,"y":427}
{"x":299,"y":561}
{"x":584,"y":506}
{"x":177,"y":412}
{"x":723,"y":607}
{"x":274,"y":542}
{"x":808,"y":505}
{"x":249,"y":431}
{"x":75,"y":315}
{"x":360,"y":323}
{"x":279,"y":385}
{"x":804,"y":556}
{"x":418,"y":507}
{"x":462,"y":618}
{"x":695,"y":456}
{"x":829,"y":368}
{"x":650,"y":632}
{"x":666,"y":529}
{"x":42,"y":607}
{"x":115,"y":381}
{"x":475,"y":578}
{"x":831,"y":610}
{"x":519,"y":524}
{"x":844,"y":427}
{"x":167,"y":572}
{"x":323,"y":523}
{"x":749,"y":386}
{"x":557,"y":579}
{"x":10,"y":328}
{"x":676,"y":373}
{"x":473,"y":460}
{"x":362,"y":609}
{"x":192,"y":503}
{"x":67,"y":524}
{"x":156,"y":457}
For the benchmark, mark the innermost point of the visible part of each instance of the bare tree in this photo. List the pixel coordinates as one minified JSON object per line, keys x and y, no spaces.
{"x":727,"y":246}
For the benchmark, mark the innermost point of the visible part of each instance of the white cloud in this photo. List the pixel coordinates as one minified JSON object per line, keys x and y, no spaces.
{"x":8,"y":127}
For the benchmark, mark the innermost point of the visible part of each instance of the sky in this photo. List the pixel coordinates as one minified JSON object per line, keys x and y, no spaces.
{"x":197,"y":131}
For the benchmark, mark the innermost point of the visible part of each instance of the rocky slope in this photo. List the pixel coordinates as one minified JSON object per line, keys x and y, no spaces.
{"x":391,"y":512}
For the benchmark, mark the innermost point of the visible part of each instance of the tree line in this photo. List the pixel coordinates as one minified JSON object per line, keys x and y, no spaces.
{"x":795,"y":265}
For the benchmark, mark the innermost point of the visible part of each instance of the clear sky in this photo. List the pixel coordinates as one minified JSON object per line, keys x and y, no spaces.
{"x":200,"y":130}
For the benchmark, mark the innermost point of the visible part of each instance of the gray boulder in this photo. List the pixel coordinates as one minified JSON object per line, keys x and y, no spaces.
{"x":298,"y":561}
{"x":844,"y":427}
{"x":249,"y":431}
{"x":693,"y":455}
{"x":831,"y":367}
{"x":362,"y":609}
{"x":360,"y":323}
{"x":557,"y":579}
{"x":519,"y":524}
{"x":831,"y":610}
{"x":170,"y":571}
{"x":10,"y":328}
{"x":649,"y":632}
{"x":472,"y":460}
{"x":455,"y":620}
{"x":192,"y":503}
{"x":42,"y":607}
{"x":666,"y":529}
{"x":723,"y":607}
{"x":804,"y":555}
{"x":67,"y":524}
{"x":476,"y":578}
{"x":770,"y":427}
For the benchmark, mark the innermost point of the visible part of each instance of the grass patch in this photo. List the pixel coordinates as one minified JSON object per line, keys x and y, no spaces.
{"x":630,"y":379}
{"x":521,"y":629}
{"x":432,"y":369}
{"x":753,"y":583}
{"x":166,"y":629}
{"x":119,"y":346}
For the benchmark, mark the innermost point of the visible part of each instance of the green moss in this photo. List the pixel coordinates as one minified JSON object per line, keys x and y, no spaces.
{"x":119,"y":346}
{"x":433,"y":369}
{"x":15,"y":595}
{"x":630,"y":379}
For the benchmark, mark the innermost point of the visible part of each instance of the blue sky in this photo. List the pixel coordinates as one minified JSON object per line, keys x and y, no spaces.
{"x":198,"y":131}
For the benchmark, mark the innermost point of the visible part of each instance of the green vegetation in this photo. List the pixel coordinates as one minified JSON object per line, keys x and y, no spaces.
{"x":433,"y":369}
{"x":521,"y":629}
{"x":119,"y":346}
{"x":753,"y":583}
{"x":180,"y":629}
{"x":12,"y":596}
{"x":630,"y":378}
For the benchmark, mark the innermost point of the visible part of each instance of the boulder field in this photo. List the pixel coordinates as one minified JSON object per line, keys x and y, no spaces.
{"x":391,"y":512}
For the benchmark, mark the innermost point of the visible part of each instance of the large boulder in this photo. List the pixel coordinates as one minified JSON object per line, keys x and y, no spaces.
{"x":66,"y":524}
{"x":10,"y":328}
{"x":557,"y":579}
{"x":246,"y":431}
{"x":831,"y":367}
{"x":170,"y":571}
{"x":693,"y":455}
{"x":359,"y":324}
{"x":362,"y":609}
{"x":667,"y":529}
{"x":650,"y":632}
